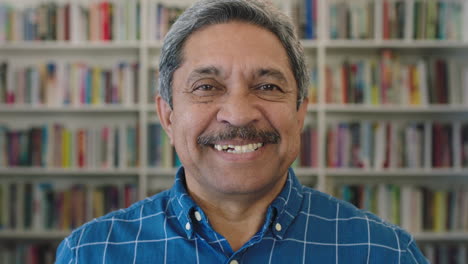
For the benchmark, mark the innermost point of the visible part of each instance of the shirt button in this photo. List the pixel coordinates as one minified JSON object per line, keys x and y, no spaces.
{"x":234,"y":262}
{"x":187,"y":226}
{"x":198,"y":216}
{"x":278,"y":227}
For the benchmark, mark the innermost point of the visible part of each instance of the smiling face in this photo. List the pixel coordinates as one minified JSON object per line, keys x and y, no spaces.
{"x":234,"y":123}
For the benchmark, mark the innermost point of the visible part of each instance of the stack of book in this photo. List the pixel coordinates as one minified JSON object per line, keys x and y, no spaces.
{"x":435,"y":19}
{"x":161,"y":154}
{"x":393,"y":19}
{"x":308,"y":156}
{"x":153,"y":75}
{"x":74,"y":21}
{"x":389,"y":80}
{"x":397,"y":144}
{"x":27,"y":253}
{"x":67,"y":146}
{"x":39,"y":206}
{"x":351,"y":19}
{"x":445,"y":253}
{"x":161,"y":18}
{"x":304,"y":16}
{"x":69,"y":83}
{"x":415,"y":209}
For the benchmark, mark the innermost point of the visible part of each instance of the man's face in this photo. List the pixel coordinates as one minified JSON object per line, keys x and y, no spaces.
{"x":234,"y":123}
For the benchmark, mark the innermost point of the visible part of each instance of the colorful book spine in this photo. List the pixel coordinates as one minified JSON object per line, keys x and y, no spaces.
{"x":414,"y":208}
{"x":388,"y":80}
{"x":64,"y":147}
{"x":64,"y":84}
{"x":377,"y":145}
{"x":351,"y":19}
{"x":40,"y":206}
{"x":70,"y":21}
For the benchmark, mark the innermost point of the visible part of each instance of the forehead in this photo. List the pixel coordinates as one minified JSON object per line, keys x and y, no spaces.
{"x":235,"y":44}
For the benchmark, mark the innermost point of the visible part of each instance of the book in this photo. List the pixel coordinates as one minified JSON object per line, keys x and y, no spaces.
{"x":390,"y":81}
{"x":376,"y":145}
{"x":351,"y":20}
{"x":70,"y":83}
{"x":62,"y":146}
{"x":414,"y":208}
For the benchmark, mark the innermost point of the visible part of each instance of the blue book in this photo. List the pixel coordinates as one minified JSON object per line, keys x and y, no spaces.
{"x":45,"y":144}
{"x":88,"y":86}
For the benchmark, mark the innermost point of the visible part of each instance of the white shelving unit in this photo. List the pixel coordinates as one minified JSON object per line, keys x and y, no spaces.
{"x":146,"y":52}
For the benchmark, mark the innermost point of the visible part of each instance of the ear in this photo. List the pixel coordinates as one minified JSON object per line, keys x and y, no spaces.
{"x":302,"y":112}
{"x":165,"y":116}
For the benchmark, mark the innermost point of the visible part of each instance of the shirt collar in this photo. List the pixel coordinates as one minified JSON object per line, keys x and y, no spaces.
{"x":286,"y":205}
{"x":281,"y":211}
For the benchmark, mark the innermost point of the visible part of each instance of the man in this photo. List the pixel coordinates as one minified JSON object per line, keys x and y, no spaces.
{"x":233,"y":98}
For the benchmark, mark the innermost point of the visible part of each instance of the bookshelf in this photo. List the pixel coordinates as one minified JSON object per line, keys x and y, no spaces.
{"x":363,"y":43}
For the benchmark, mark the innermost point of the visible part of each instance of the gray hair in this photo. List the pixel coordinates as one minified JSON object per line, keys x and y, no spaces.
{"x":211,"y":12}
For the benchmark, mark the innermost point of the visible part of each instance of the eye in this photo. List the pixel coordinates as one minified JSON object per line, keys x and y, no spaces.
{"x":205,"y":87}
{"x":269,"y":87}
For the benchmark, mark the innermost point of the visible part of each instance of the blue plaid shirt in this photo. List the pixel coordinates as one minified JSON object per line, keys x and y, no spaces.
{"x":302,"y":225}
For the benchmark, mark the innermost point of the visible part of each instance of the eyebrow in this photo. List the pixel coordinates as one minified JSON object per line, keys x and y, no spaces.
{"x":214,"y":71}
{"x":203,"y":72}
{"x":271,"y":72}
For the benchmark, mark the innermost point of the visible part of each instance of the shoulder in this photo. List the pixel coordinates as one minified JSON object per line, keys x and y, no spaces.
{"x":97,"y":230}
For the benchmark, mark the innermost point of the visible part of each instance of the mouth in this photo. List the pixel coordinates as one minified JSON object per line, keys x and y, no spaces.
{"x":238,"y":149}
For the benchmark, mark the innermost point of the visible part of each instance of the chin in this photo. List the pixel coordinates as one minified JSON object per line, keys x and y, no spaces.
{"x":246,"y":183}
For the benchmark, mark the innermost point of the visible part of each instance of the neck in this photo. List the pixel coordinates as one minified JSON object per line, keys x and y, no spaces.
{"x":237,"y":217}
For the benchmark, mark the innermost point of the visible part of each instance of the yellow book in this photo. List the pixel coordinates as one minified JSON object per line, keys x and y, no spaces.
{"x":167,"y":152}
{"x":65,"y":148}
{"x":96,"y":86}
{"x":415,"y":91}
{"x":98,"y":202}
{"x":67,"y":207}
{"x":440,"y":212}
{"x":375,"y":91}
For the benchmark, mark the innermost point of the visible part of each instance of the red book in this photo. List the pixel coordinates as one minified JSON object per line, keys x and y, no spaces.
{"x":328,"y":85}
{"x":386,"y":21}
{"x":436,"y":145}
{"x":67,"y":22}
{"x":331,"y":145}
{"x":388,"y":144}
{"x":81,"y":148}
{"x":313,"y":147}
{"x":105,"y":21}
{"x":345,"y":79}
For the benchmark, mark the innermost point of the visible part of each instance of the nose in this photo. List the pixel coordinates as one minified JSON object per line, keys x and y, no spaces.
{"x":239,"y":109}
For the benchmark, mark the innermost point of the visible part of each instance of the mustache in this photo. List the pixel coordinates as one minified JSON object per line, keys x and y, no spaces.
{"x":247,"y":133}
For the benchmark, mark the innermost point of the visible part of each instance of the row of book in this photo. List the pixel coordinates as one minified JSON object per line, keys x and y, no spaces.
{"x":392,"y":80}
{"x":111,"y":20}
{"x":393,"y":19}
{"x":431,"y":19}
{"x":414,"y":208}
{"x":161,"y":18}
{"x":68,"y":83}
{"x":61,"y":145}
{"x":160,"y":151}
{"x":351,"y":19}
{"x":439,"y":19}
{"x":308,"y":155}
{"x":397,"y":144}
{"x":39,"y":206}
{"x":163,"y":15}
{"x":305,"y":18}
{"x":28,"y":253}
{"x":445,"y":253}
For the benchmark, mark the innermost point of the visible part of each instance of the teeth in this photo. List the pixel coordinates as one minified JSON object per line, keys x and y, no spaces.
{"x":238,"y":149}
